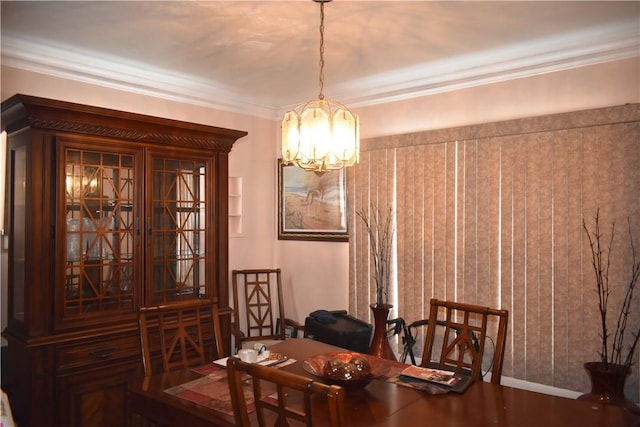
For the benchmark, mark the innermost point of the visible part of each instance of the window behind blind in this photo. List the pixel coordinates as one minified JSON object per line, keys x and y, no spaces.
{"x":492,"y":215}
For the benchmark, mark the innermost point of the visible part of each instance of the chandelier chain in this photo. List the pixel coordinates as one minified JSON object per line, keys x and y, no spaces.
{"x":321,"y":77}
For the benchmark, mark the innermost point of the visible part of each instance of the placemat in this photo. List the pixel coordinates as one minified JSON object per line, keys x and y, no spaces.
{"x":212,"y":390}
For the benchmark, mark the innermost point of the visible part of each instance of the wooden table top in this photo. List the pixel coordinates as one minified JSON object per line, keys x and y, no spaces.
{"x":382,"y":403}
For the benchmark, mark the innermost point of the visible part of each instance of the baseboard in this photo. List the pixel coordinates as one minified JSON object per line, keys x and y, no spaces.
{"x":540,"y":388}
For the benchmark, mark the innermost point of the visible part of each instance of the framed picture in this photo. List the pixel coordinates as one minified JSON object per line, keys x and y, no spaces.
{"x":311,"y":206}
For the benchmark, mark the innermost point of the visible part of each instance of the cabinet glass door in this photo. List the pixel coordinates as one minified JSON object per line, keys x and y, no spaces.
{"x":99,"y":198}
{"x":177,"y":233}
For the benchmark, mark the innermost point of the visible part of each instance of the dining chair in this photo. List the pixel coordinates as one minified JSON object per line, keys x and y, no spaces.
{"x":462,"y":331}
{"x":185,"y":333}
{"x":257,"y":293}
{"x":284,"y":406}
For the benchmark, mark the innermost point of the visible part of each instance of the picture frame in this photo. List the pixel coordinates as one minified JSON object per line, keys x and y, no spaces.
{"x":311,"y":206}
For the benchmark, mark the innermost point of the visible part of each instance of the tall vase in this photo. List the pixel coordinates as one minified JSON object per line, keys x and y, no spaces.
{"x":380,"y":343}
{"x":607,"y":385}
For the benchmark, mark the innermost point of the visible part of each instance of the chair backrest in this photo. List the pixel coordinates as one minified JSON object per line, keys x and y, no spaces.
{"x":294,"y":396}
{"x":466,"y":328}
{"x":186,"y":334}
{"x":258,"y":294}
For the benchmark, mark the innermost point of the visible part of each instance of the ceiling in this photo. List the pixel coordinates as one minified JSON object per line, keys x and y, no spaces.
{"x":262,"y":57}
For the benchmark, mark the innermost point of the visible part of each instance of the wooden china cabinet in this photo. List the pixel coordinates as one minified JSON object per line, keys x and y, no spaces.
{"x":107,"y":211}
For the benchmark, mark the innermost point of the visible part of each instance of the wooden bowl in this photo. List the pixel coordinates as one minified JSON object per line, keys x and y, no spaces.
{"x":315,"y":365}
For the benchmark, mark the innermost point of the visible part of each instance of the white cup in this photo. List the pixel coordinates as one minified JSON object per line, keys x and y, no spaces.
{"x":248,"y":355}
{"x":259,"y":347}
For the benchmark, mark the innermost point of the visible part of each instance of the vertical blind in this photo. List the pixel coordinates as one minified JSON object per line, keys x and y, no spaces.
{"x":493,"y":215}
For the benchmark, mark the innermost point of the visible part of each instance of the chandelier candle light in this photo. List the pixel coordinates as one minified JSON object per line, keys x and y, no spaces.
{"x":321,"y":135}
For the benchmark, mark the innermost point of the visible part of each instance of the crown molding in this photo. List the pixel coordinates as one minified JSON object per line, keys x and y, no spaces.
{"x":573,"y":50}
{"x":114,"y":73}
{"x":593,"y":46}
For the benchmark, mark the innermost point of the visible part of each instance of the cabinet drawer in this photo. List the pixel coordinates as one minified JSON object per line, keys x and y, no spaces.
{"x":97,"y":351}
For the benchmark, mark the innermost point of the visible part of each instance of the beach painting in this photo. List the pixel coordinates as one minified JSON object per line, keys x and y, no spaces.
{"x":311,"y":206}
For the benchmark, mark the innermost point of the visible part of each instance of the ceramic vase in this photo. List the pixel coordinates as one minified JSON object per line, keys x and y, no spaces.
{"x":607,"y":385}
{"x":380,"y":343}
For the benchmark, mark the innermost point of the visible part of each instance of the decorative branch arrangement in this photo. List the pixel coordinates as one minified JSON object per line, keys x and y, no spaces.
{"x":601,"y":260}
{"x":380,"y":228}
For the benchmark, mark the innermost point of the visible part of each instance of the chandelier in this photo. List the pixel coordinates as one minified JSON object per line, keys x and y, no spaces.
{"x":321,"y":135}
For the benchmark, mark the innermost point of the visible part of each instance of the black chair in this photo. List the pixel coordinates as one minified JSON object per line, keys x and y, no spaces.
{"x":338,"y":328}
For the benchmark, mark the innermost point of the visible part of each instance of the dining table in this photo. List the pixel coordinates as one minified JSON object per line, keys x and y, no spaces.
{"x":170,"y":399}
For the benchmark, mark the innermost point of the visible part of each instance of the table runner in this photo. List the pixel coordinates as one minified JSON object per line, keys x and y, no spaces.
{"x":212,"y":390}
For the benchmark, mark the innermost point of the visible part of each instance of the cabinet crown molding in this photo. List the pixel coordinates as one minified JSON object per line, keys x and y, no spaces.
{"x":62,"y":116}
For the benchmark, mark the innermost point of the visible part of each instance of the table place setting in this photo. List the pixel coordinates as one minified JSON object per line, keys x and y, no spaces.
{"x":264,"y":358}
{"x":212,"y":390}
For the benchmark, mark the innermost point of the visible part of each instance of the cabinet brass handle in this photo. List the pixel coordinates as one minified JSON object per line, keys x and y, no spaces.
{"x":104,"y":353}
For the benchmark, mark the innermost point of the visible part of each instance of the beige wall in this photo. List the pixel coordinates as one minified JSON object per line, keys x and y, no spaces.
{"x":315,"y":274}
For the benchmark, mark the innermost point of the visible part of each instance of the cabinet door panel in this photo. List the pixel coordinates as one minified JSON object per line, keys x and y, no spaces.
{"x":17,"y":215}
{"x":99,"y":239}
{"x":178,"y":217}
{"x":96,"y":398}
